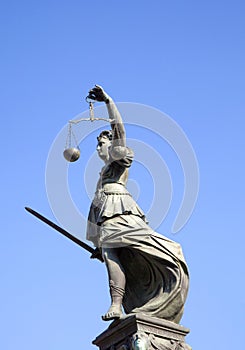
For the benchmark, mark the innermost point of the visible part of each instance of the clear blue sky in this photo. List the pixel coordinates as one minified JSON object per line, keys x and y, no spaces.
{"x":185,"y":58}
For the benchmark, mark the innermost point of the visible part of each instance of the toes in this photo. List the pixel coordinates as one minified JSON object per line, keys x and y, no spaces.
{"x":111,"y":315}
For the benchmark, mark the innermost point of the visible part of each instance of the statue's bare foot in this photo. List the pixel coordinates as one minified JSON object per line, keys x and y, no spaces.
{"x":113,"y":313}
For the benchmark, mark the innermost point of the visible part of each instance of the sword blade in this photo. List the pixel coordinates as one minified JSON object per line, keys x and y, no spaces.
{"x":61,"y":230}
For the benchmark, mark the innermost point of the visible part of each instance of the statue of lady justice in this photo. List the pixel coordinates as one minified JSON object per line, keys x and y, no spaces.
{"x":147,"y":271}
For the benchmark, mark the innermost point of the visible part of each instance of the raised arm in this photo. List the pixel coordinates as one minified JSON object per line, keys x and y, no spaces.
{"x":119,"y":135}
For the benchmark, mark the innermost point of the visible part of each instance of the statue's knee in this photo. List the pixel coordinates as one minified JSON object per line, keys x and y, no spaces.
{"x":107,"y":254}
{"x":110,"y":254}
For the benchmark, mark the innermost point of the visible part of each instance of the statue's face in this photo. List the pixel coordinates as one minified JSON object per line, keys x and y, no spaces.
{"x":140,"y":341}
{"x":103,"y":148}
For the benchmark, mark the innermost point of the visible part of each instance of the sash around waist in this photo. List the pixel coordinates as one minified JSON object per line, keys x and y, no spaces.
{"x":113,"y":188}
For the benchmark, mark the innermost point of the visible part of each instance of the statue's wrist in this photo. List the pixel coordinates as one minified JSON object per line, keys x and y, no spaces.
{"x":107,"y":99}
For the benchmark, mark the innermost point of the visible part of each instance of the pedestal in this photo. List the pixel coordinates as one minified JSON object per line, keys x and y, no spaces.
{"x":140,"y":332}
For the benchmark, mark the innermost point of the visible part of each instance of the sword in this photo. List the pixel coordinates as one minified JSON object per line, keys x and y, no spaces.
{"x":65,"y":233}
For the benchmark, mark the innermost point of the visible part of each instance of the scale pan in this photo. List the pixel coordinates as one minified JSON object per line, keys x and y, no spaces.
{"x":71,"y":154}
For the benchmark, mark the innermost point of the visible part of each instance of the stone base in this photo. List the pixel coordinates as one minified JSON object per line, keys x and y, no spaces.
{"x":141,"y":332}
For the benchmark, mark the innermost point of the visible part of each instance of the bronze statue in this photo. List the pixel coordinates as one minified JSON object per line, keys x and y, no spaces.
{"x":147,"y":271}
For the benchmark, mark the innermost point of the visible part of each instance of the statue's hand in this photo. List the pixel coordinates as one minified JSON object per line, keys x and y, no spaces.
{"x":97,"y":255}
{"x":98,"y":94}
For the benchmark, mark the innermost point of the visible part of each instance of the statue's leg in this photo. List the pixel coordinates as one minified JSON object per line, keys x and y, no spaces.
{"x":116,"y":281}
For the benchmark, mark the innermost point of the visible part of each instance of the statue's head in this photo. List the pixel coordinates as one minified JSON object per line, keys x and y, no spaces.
{"x":104,"y":142}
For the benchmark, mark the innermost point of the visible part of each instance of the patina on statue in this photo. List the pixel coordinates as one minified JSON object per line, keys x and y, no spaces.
{"x":147,"y":271}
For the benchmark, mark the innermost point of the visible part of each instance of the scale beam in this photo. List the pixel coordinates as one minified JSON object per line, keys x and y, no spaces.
{"x":76,"y":121}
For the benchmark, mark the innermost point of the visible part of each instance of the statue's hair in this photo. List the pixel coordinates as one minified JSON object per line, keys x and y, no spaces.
{"x":105,"y":133}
